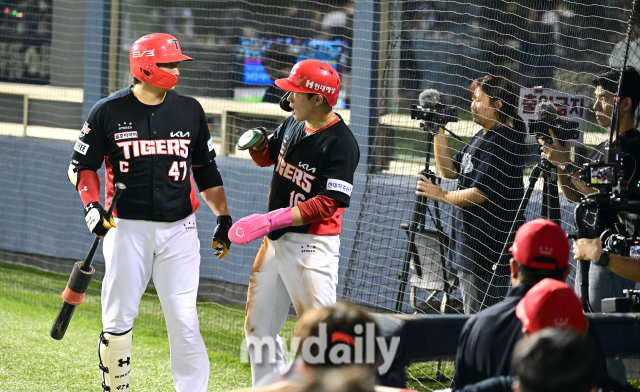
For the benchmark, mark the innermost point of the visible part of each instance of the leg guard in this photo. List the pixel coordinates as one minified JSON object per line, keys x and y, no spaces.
{"x":114,"y":352}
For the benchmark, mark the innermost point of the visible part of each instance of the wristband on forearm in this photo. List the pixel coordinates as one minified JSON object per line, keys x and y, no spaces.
{"x":603,"y":260}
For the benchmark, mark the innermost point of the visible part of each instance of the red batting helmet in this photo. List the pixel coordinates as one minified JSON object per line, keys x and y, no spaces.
{"x":313,"y":76}
{"x":148,"y":51}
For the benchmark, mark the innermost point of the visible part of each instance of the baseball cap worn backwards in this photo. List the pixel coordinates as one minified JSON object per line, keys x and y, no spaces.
{"x":541,"y":244}
{"x":551,"y":304}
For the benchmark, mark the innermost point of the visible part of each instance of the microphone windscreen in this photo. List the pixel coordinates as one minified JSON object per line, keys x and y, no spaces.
{"x":546,"y":111}
{"x":429,"y":96}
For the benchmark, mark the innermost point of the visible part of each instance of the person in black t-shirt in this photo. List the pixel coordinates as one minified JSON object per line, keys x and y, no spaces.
{"x":603,"y":283}
{"x":490,"y":187}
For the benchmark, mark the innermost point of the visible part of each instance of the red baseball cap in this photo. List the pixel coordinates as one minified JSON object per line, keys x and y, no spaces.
{"x":551,"y":304}
{"x":541,"y":244}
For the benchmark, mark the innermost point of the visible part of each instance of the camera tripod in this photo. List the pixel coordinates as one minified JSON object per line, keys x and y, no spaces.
{"x":550,"y":210}
{"x":417,"y":227}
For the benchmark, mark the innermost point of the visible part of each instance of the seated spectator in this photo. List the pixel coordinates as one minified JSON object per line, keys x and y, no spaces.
{"x":551,"y":304}
{"x":336,"y":325}
{"x":540,"y":251}
{"x":325,"y":328}
{"x":557,"y":360}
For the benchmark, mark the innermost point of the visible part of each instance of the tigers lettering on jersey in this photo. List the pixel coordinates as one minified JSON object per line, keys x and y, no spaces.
{"x":179,"y":147}
{"x":299,"y":177}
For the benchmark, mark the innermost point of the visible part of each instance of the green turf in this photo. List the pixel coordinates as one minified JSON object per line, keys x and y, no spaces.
{"x":32,"y":361}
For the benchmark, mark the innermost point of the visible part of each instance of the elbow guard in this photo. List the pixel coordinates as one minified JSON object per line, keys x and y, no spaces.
{"x":73,"y":173}
{"x":207,"y":176}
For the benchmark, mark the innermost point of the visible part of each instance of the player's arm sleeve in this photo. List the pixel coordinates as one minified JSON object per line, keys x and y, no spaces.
{"x":90,"y":148}
{"x":339,"y":166}
{"x":318,"y":208}
{"x":207,"y":176}
{"x":88,"y":186}
{"x":261,"y":158}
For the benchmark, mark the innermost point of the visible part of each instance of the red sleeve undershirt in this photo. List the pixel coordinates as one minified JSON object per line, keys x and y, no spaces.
{"x":88,"y":186}
{"x":317,"y":208}
{"x":261,"y":158}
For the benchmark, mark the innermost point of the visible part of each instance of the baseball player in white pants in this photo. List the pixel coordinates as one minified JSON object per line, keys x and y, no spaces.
{"x":298,"y":268}
{"x":170,"y":253}
{"x":315,"y":156}
{"x":153,"y":140}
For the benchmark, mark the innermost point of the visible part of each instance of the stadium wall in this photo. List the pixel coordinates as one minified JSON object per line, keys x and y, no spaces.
{"x":375,"y":256}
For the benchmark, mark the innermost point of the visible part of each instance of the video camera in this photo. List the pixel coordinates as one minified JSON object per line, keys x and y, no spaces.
{"x":629,"y":303}
{"x":616,"y":204}
{"x":547,"y":118}
{"x":620,"y":244}
{"x":432,"y":110}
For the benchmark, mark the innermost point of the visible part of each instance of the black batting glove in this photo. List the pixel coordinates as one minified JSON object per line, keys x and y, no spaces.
{"x":221,"y":242}
{"x":97,"y":220}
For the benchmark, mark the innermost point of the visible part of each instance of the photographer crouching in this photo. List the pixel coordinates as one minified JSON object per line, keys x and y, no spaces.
{"x":603,"y":282}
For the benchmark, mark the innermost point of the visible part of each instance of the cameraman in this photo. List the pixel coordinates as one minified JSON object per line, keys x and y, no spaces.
{"x":490,"y":186}
{"x":603,"y":283}
{"x":591,"y":249}
{"x":606,"y":85}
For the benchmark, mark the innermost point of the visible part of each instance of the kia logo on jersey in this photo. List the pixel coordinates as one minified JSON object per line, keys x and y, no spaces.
{"x":299,"y":177}
{"x":179,"y":134}
{"x":306,"y":167}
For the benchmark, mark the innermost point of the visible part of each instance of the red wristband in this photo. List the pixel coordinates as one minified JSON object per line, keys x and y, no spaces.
{"x":261,"y":158}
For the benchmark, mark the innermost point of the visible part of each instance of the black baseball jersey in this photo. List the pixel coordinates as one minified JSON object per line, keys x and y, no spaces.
{"x":150,"y":149}
{"x":308,"y":165}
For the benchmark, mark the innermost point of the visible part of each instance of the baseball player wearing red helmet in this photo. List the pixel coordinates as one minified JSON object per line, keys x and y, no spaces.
{"x":152,"y":140}
{"x":315,"y":156}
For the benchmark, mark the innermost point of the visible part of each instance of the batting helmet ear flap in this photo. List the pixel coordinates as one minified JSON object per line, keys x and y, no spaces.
{"x":284,"y":103}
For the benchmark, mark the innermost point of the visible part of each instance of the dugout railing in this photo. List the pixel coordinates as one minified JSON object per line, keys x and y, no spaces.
{"x":425,"y":338}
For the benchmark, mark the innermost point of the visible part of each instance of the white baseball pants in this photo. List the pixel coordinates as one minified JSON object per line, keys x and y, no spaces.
{"x":297,"y":268}
{"x":170,"y":252}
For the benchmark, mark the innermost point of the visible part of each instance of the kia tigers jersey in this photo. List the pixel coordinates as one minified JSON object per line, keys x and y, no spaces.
{"x":308,"y":165}
{"x":150,"y":149}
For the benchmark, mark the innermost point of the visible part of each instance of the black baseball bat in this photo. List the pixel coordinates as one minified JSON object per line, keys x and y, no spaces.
{"x":81,"y":277}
